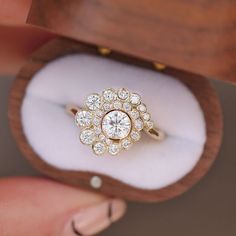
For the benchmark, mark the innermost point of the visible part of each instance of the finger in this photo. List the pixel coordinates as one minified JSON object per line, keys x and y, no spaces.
{"x":30,"y":206}
{"x":14,"y":12}
{"x":17,"y":40}
{"x":17,"y":44}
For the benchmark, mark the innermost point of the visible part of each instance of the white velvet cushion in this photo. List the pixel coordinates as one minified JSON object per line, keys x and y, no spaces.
{"x":148,"y":164}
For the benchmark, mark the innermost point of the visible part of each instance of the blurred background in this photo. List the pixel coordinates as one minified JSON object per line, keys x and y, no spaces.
{"x":209,"y":208}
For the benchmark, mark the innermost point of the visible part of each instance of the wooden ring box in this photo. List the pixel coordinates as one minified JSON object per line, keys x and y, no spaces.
{"x":197,"y":84}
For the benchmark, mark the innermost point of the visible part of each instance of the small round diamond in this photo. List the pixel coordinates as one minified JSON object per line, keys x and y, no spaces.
{"x":142,"y":108}
{"x":117,"y":105}
{"x":83,"y":118}
{"x":116,"y":124}
{"x":107,"y":106}
{"x":99,"y":113}
{"x":135,"y":135}
{"x":138,"y":124}
{"x":96,"y":121}
{"x":146,"y":116}
{"x":126,"y":143}
{"x":149,"y":125}
{"x":99,"y":148}
{"x":114,"y":149}
{"x":134,"y":114}
{"x":127,"y":106}
{"x":109,"y":95}
{"x":123,"y":93}
{"x":108,"y":141}
{"x":87,"y":136}
{"x":97,"y":130}
{"x":135,"y":99}
{"x":102,"y":137}
{"x":93,"y":102}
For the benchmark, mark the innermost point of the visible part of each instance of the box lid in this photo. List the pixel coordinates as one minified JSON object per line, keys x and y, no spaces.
{"x":195,"y":36}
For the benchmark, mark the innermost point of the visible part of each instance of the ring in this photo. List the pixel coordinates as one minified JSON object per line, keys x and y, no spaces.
{"x":113,"y":121}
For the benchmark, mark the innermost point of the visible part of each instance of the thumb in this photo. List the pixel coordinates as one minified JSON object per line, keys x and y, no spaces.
{"x":33,"y":206}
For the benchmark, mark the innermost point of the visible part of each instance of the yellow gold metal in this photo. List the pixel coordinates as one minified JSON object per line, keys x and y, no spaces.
{"x":72,"y":110}
{"x":104,"y":51}
{"x":159,"y":66}
{"x":155,"y":134}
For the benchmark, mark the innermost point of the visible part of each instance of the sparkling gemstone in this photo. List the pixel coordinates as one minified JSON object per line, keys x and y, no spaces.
{"x":87,"y":136}
{"x":109,"y":95}
{"x":146,"y":116}
{"x":117,"y":105}
{"x":99,"y":113}
{"x":135,"y":135}
{"x":108,"y":141}
{"x":142,"y":108}
{"x":126,"y":143}
{"x":135,"y":99}
{"x":83,"y":118}
{"x":107,"y":106}
{"x":93,"y":102}
{"x":96,"y":121}
{"x":149,"y":125}
{"x":114,"y":149}
{"x":102,"y":137}
{"x":97,"y":130}
{"x":99,"y":148}
{"x":116,"y":125}
{"x":127,"y":106}
{"x":138,"y":124}
{"x":123,"y":93}
{"x":134,"y":114}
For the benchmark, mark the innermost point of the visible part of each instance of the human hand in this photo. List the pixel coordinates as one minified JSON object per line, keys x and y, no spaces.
{"x":17,"y":40}
{"x":40,"y":207}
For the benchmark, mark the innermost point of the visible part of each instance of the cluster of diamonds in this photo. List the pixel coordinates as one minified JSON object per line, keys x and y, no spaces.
{"x":112,"y":121}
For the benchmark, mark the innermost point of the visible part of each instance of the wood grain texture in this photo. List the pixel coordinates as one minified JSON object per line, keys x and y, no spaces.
{"x":199,"y":86}
{"x":198,"y":36}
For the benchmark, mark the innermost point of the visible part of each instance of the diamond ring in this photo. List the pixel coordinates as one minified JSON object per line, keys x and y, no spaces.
{"x":113,"y":121}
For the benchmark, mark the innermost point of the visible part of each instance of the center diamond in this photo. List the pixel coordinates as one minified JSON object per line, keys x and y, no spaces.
{"x":116,"y":124}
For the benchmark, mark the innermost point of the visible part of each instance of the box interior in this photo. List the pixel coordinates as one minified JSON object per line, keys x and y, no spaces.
{"x":148,"y":164}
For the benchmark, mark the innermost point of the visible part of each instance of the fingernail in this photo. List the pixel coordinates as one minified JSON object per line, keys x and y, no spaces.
{"x":94,"y":219}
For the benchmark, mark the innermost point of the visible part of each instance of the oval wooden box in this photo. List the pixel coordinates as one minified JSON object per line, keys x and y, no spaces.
{"x":195,"y":36}
{"x":199,"y":86}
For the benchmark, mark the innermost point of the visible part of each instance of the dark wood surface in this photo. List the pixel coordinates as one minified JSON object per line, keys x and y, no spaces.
{"x":198,"y":36}
{"x":199,"y":86}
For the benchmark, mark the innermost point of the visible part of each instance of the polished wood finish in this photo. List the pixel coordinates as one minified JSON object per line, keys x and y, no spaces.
{"x":200,"y":87}
{"x":198,"y":36}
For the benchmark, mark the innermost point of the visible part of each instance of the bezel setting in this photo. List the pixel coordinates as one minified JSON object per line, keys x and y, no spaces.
{"x":112,"y":121}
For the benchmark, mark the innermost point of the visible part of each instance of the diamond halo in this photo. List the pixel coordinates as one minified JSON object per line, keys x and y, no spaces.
{"x":112,"y":121}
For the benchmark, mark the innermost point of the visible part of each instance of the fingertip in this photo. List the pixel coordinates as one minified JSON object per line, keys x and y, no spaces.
{"x":14,"y":12}
{"x":14,"y":53}
{"x":118,"y":209}
{"x":94,"y":219}
{"x":44,"y":202}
